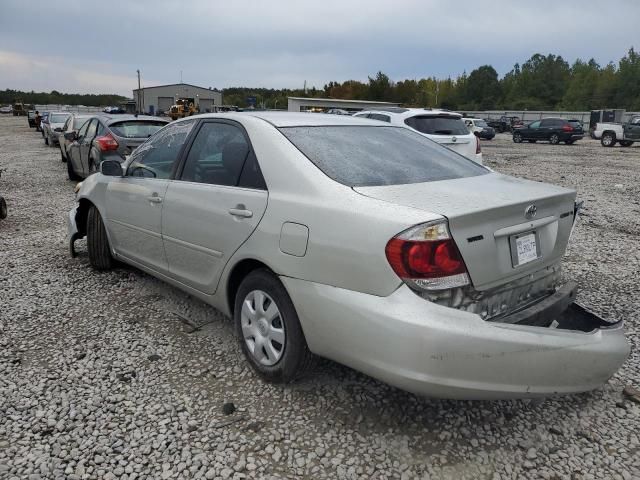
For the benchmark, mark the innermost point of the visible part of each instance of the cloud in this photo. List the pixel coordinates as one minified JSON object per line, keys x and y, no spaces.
{"x":284,"y":43}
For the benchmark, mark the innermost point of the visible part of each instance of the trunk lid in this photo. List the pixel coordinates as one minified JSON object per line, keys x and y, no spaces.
{"x":487,"y":220}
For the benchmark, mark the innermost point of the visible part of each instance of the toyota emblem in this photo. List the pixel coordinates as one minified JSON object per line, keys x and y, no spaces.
{"x":454,"y":139}
{"x":531,"y":211}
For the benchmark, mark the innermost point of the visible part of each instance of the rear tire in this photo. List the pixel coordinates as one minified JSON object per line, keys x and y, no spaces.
{"x":46,"y":140}
{"x":72,"y":175}
{"x":608,"y":139}
{"x":273,"y":343}
{"x":517,"y":138}
{"x":554,"y":139}
{"x":97,"y":241}
{"x":569,"y":142}
{"x":532,"y":141}
{"x":626,"y":143}
{"x":93,"y":168}
{"x":3,"y":208}
{"x":62,"y":157}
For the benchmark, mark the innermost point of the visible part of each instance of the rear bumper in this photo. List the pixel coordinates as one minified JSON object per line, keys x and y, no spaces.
{"x":437,"y":351}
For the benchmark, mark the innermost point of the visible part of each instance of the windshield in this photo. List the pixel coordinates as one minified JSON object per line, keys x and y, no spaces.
{"x":360,"y":156}
{"x":58,"y":118}
{"x":78,"y":122}
{"x":136,"y":128}
{"x":438,"y":125}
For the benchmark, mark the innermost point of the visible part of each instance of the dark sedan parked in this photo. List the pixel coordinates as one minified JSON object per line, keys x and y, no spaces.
{"x":31,"y":118}
{"x":107,"y":137}
{"x":73,"y":124}
{"x":553,"y":130}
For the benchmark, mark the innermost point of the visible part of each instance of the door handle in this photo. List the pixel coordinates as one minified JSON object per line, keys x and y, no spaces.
{"x":241,"y":211}
{"x":155,"y":198}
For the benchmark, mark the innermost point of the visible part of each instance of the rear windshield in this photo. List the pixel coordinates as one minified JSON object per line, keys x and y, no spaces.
{"x":136,"y":128}
{"x":438,"y":125}
{"x":58,"y":117}
{"x":480,"y":123}
{"x":360,"y":156}
{"x":575,"y":123}
{"x":78,"y":122}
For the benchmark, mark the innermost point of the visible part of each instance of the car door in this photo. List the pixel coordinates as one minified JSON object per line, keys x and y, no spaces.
{"x":532,"y":132}
{"x":632,"y":129}
{"x":74,"y":149}
{"x":85,"y":146}
{"x":213,"y":206}
{"x":134,"y":202}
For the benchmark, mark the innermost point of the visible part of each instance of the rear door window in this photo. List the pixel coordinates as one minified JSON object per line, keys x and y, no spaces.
{"x":217,"y":155}
{"x":360,"y":156}
{"x":438,"y":125}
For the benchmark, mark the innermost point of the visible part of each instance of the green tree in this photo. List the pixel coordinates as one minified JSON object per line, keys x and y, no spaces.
{"x":482,"y":89}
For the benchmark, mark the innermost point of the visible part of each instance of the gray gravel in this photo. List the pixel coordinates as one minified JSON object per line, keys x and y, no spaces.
{"x":119,"y":376}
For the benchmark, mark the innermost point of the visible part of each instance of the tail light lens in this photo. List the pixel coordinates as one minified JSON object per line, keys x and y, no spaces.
{"x":426,"y":257}
{"x":478,"y":149}
{"x":567,"y":128}
{"x":106,"y":143}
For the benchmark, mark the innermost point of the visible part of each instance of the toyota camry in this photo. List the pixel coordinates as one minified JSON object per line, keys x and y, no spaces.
{"x":357,"y":241}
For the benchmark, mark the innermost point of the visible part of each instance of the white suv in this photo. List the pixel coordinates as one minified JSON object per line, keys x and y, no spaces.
{"x":441,"y":126}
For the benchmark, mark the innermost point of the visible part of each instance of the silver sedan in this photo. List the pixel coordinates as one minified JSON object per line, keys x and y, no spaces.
{"x":360,"y":242}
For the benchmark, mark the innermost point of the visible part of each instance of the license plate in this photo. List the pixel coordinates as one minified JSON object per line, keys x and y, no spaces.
{"x":525,"y":248}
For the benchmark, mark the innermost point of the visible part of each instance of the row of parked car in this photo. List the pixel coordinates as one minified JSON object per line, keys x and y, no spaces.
{"x":85,"y":140}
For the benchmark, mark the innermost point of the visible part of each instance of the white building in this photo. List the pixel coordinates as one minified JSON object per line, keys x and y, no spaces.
{"x":160,"y":98}
{"x":302,"y":104}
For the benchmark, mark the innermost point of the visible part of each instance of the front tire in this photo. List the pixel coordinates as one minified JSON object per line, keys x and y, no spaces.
{"x":608,"y":139}
{"x":554,"y":139}
{"x":626,"y":143}
{"x":269,"y":330}
{"x":97,"y":241}
{"x":569,"y":142}
{"x":3,"y":208}
{"x":63,"y":159}
{"x":46,"y":140}
{"x":517,"y":138}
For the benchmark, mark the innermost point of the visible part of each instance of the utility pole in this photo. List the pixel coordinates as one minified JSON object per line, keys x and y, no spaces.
{"x":138,"y":109}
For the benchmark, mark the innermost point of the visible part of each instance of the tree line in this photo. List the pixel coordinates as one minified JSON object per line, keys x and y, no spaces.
{"x":543,"y":82}
{"x":54,"y":97}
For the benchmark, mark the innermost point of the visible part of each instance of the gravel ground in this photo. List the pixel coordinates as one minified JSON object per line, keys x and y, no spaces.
{"x":117,"y":375}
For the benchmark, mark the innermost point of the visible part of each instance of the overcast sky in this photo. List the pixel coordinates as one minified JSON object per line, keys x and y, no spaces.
{"x":95,"y":46}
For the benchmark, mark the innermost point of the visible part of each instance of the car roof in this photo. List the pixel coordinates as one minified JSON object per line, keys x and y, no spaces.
{"x":413,"y":112}
{"x":293,"y":119}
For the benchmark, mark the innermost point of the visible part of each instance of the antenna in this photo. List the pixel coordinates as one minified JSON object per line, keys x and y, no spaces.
{"x":180,"y":76}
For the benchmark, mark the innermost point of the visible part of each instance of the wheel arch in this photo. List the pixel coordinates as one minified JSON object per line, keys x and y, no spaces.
{"x":238,"y":273}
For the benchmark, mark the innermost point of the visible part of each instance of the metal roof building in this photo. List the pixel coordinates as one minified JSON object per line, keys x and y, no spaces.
{"x":160,"y":98}
{"x":302,"y":104}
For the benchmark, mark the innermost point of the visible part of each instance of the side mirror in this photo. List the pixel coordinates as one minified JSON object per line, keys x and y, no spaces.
{"x":71,"y":136}
{"x":111,"y":168}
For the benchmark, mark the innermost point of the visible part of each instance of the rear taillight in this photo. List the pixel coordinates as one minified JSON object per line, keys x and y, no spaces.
{"x":567,"y":128}
{"x":478,"y":149}
{"x":426,"y":257}
{"x":106,"y":143}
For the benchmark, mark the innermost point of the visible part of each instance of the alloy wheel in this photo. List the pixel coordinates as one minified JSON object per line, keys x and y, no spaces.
{"x":262,"y":327}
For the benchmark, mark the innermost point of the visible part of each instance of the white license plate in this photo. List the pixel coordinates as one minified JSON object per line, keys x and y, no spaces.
{"x":526,"y":248}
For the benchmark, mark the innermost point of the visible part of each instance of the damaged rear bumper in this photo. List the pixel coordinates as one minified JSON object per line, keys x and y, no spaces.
{"x":439,"y":351}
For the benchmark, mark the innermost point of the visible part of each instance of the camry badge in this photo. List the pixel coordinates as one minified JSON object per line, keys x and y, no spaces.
{"x":530,"y":211}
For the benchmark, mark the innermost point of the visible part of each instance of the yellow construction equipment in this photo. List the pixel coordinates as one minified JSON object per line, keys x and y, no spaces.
{"x":184,"y":107}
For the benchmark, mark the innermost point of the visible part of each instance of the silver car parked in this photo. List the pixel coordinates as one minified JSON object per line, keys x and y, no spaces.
{"x":52,"y":129}
{"x":357,"y":241}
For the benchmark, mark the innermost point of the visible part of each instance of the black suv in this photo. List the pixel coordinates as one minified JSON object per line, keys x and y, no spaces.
{"x":553,"y":130}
